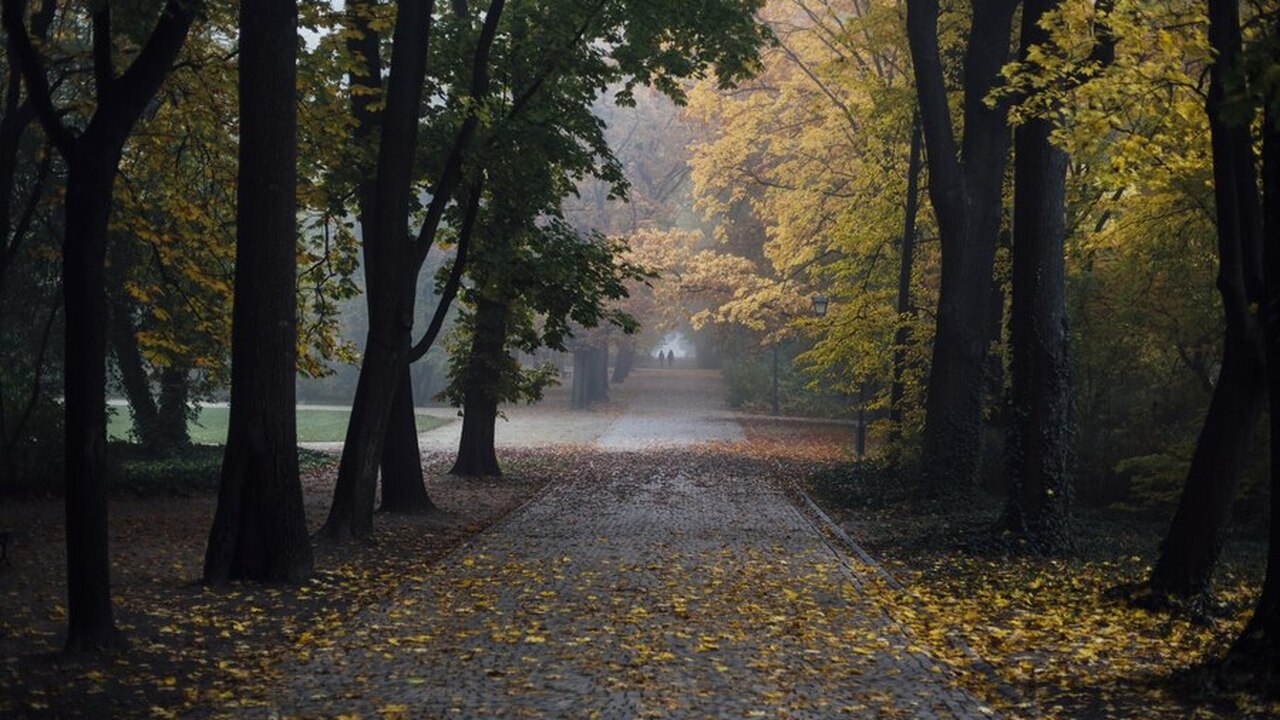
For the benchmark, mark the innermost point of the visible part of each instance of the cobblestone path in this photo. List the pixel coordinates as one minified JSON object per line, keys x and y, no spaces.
{"x":663,"y":584}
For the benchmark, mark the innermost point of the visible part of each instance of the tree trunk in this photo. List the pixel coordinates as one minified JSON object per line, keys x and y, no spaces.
{"x":601,"y":377}
{"x":147,"y":426}
{"x":403,"y":487}
{"x":590,"y":377}
{"x":260,"y":529}
{"x":175,"y":397}
{"x":774,"y":385}
{"x":1040,"y":431}
{"x":966,"y":190}
{"x":625,"y":361}
{"x":89,"y":186}
{"x":92,"y":162}
{"x":160,"y":427}
{"x":477,"y":455}
{"x":902,"y":336}
{"x":1191,"y":547}
{"x":579,"y":398}
{"x":389,"y":280}
{"x":1260,"y":642}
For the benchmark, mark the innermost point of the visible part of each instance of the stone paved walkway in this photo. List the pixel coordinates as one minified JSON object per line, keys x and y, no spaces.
{"x":662,"y":584}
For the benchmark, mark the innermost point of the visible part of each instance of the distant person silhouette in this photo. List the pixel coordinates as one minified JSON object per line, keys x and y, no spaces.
{"x":671,"y":358}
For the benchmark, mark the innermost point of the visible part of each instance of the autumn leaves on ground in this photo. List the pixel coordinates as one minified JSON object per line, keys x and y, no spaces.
{"x":1014,"y":635}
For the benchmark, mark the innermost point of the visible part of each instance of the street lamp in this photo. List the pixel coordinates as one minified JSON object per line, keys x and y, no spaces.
{"x":820,"y":303}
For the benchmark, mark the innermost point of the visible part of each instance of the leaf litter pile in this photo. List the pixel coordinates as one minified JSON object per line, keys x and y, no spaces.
{"x":1028,"y":636}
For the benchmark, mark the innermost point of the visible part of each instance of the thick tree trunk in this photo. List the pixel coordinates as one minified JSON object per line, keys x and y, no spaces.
{"x":1040,"y":431}
{"x":1259,"y":644}
{"x":902,"y":336}
{"x":476,"y":453}
{"x":389,"y":280}
{"x":1191,"y":547}
{"x":260,"y":529}
{"x":403,"y":487}
{"x":89,"y":187}
{"x":590,"y":377}
{"x":966,"y":190}
{"x":952,"y":448}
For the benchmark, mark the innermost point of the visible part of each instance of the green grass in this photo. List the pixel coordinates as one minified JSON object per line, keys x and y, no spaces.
{"x":210,"y":428}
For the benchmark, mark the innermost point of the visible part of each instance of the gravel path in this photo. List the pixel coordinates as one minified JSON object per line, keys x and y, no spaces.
{"x":669,"y":583}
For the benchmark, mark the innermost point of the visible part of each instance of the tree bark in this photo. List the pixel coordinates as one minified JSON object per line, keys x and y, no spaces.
{"x":578,"y":397}
{"x":601,"y":377}
{"x":260,"y":529}
{"x":1259,"y":644}
{"x":133,"y":377}
{"x":89,"y":615}
{"x":175,"y":398}
{"x":477,"y":455}
{"x":389,"y":280}
{"x":159,"y":425}
{"x":1191,"y":548}
{"x":966,"y":191}
{"x":92,"y":159}
{"x":905,"y":308}
{"x":1040,"y":431}
{"x":392,"y":260}
{"x":625,"y":361}
{"x":403,"y":487}
{"x":589,"y":379}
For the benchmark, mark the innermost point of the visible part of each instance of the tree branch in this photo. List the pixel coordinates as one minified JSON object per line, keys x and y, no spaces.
{"x":138,"y":84}
{"x":451,"y":177}
{"x":103,"y":69}
{"x":31,"y":64}
{"x":450,"y":290}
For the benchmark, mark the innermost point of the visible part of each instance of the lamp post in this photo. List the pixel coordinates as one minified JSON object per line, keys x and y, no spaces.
{"x":775,"y":377}
{"x":819,"y":303}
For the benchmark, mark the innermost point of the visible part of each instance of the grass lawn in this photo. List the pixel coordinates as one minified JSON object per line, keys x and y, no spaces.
{"x":210,"y":428}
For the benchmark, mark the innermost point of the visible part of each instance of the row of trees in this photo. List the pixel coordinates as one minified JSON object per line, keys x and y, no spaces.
{"x":434,"y":126}
{"x":1083,"y":183}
